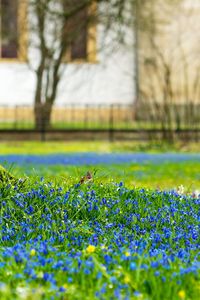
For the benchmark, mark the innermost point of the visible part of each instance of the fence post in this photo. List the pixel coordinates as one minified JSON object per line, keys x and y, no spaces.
{"x":43,"y":125}
{"x":15,"y":118}
{"x":86,"y":111}
{"x":72,"y":116}
{"x":111,"y":123}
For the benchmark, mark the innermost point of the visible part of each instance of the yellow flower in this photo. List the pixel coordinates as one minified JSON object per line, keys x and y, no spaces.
{"x":127,"y":279}
{"x":127,"y":254}
{"x":32,"y":252}
{"x":90,"y":249}
{"x":181,"y":294}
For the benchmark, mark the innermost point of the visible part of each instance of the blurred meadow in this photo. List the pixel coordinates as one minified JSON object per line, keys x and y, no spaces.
{"x":67,"y":162}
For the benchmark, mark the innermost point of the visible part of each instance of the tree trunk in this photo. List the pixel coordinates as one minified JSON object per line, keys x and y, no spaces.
{"x":43,"y":116}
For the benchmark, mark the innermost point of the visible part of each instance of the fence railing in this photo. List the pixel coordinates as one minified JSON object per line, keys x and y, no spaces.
{"x":69,"y":116}
{"x":115,"y":116}
{"x":114,"y":121}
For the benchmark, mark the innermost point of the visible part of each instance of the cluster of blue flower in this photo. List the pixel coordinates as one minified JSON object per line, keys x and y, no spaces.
{"x":94,"y":158}
{"x":105,"y":241}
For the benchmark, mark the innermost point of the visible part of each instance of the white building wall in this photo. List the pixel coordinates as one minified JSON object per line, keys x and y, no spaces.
{"x":110,"y":80}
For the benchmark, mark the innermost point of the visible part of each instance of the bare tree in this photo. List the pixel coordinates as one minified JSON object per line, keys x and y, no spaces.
{"x":58,"y":28}
{"x":169,"y":68}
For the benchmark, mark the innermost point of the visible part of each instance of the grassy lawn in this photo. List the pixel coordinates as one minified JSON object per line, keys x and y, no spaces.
{"x":32,"y":147}
{"x":168,"y":175}
{"x":118,"y":235}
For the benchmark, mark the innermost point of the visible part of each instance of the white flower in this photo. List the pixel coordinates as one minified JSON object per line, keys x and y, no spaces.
{"x":23,"y":292}
{"x":181,"y":189}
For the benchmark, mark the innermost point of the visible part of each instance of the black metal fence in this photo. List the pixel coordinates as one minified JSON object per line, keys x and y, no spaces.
{"x":104,"y":116}
{"x":144,"y":121}
{"x":69,"y":117}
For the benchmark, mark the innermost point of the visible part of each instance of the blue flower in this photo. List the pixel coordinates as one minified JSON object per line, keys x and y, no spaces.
{"x":133,"y":266}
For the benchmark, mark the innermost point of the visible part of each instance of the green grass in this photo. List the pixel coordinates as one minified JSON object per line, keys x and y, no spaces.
{"x":98,"y":123}
{"x":163,"y":176}
{"x":167,"y":175}
{"x":36,"y":147}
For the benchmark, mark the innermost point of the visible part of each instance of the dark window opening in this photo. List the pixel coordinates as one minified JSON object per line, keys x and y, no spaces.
{"x":79,"y":41}
{"x":77,"y":28}
{"x":9,"y":28}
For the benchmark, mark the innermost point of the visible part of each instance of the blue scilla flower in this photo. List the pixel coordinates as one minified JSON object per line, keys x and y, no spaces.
{"x":117,"y":293}
{"x":18,"y":276}
{"x":154,"y":264}
{"x":182,"y":253}
{"x":136,"y":293}
{"x":86,"y":271}
{"x":18,"y":258}
{"x":113,"y":279}
{"x":93,"y":158}
{"x":30,"y":272}
{"x":133,"y":266}
{"x":5,"y":238}
{"x":103,"y":289}
{"x":109,"y":225}
{"x":89,"y":264}
{"x":2,"y":264}
{"x":144,"y":267}
{"x":104,"y":201}
{"x":108,"y":259}
{"x":49,"y":277}
{"x":29,"y":210}
{"x":157,"y":273}
{"x":58,"y":264}
{"x":99,"y":275}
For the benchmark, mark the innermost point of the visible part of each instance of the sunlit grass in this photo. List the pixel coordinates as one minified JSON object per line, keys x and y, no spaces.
{"x":36,"y":147}
{"x":168,"y":175}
